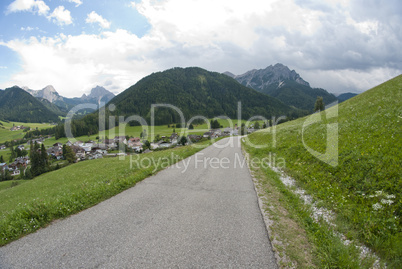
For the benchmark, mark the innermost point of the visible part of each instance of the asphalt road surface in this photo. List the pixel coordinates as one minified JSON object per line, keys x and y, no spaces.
{"x":201,"y":212}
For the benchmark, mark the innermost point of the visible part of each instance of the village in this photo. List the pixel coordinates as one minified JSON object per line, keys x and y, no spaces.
{"x":106,"y":147}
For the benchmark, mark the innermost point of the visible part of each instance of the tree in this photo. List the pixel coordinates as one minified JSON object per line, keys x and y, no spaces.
{"x":215,"y":124}
{"x":191,"y":127}
{"x":146,"y":145}
{"x":1,"y":159}
{"x":68,"y":154}
{"x":243,"y":130}
{"x":183,"y":140}
{"x":44,"y":158}
{"x":257,"y":125}
{"x":319,"y":104}
{"x":13,"y":154}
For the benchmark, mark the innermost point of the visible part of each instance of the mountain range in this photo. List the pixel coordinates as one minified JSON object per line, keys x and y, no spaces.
{"x":275,"y":90}
{"x":46,"y":105}
{"x":198,"y":93}
{"x":18,"y":105}
{"x":284,"y":84}
{"x":97,"y":94}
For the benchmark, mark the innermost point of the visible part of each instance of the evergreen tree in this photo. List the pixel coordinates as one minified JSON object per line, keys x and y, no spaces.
{"x":44,"y":159}
{"x":146,"y":145}
{"x":13,"y":154}
{"x":1,"y":159}
{"x":191,"y":127}
{"x":68,"y":154}
{"x":257,"y":125}
{"x":215,"y":124}
{"x":183,"y":140}
{"x":319,"y":104}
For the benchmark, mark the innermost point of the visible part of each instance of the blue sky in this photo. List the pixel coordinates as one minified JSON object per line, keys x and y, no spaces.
{"x":74,"y":45}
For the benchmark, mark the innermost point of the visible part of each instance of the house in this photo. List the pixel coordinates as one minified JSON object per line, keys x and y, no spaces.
{"x":154,"y":145}
{"x":39,"y":141}
{"x":69,"y":144}
{"x":56,"y":150}
{"x":207,"y":134}
{"x":120,"y":139}
{"x":174,"y":138}
{"x":21,"y":147}
{"x":228,"y":131}
{"x":194,"y":138}
{"x":164,"y":144}
{"x":134,"y":142}
{"x":216,"y":132}
{"x":79,"y":152}
{"x":22,"y":161}
{"x":3,"y":166}
{"x":57,"y":144}
{"x":78,"y":143}
{"x":109,"y":143}
{"x":161,"y":144}
{"x":15,"y":172}
{"x":2,"y":147}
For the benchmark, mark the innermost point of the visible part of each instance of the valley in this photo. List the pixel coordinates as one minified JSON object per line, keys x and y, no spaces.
{"x":345,"y":159}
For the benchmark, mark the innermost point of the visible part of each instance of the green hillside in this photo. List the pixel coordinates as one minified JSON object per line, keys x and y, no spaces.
{"x":364,"y":188}
{"x":18,"y":105}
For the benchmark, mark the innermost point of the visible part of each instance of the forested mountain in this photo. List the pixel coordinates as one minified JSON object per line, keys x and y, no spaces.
{"x":284,"y":84}
{"x":345,"y":96}
{"x":59,"y":111}
{"x":195,"y":91}
{"x":18,"y":105}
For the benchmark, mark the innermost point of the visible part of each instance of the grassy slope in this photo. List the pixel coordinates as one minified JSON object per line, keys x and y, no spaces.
{"x":29,"y":206}
{"x":369,"y":170}
{"x":7,"y":135}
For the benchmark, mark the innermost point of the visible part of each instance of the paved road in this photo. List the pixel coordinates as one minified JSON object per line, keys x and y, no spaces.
{"x":205,"y":215}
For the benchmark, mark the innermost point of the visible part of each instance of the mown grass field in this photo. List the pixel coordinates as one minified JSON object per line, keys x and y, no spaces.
{"x":35,"y":203}
{"x":7,"y":135}
{"x":363,"y":189}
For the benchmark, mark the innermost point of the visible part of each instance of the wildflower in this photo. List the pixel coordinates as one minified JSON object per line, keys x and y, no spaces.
{"x":377,"y":206}
{"x":388,"y":202}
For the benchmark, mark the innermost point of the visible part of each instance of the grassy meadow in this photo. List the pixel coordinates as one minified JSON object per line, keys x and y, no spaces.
{"x":7,"y":135}
{"x":362,"y":187}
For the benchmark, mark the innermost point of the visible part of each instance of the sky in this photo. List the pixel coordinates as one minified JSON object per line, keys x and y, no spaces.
{"x":74,"y":45}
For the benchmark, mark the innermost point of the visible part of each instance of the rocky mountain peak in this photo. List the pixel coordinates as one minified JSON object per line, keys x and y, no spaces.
{"x":98,"y":94}
{"x":277,"y":74}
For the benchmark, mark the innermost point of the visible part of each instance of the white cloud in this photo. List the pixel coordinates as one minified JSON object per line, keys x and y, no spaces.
{"x":93,"y":17}
{"x":77,"y":2}
{"x":28,"y":28}
{"x":34,"y":6}
{"x":75,"y":64}
{"x":328,"y":43}
{"x":61,"y":16}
